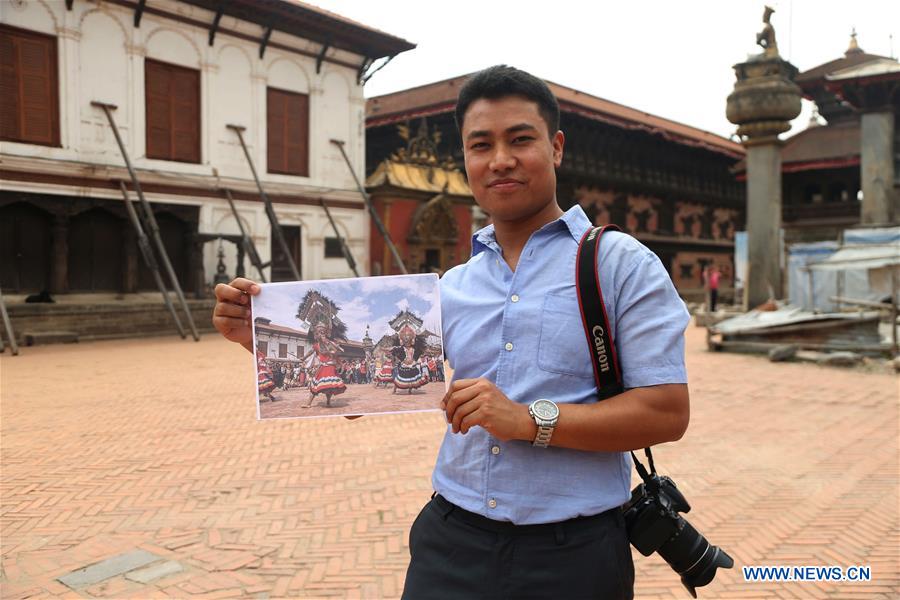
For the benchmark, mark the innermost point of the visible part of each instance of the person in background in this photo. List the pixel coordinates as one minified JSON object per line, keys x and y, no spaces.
{"x":711,"y":278}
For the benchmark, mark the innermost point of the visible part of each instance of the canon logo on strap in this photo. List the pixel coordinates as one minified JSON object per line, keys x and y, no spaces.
{"x":600,"y":348}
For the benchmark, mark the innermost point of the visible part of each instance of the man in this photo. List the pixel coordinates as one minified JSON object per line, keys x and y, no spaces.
{"x":515,"y":515}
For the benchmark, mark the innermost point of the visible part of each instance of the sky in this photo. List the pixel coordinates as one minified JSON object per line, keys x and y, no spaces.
{"x":371,"y":301}
{"x":666,"y":57}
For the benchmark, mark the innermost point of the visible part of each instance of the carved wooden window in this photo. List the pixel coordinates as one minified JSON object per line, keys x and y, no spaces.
{"x":263,"y":347}
{"x":287,"y":132}
{"x":29,"y":109}
{"x":172,"y":112}
{"x":723,"y":229}
{"x":282,"y":350}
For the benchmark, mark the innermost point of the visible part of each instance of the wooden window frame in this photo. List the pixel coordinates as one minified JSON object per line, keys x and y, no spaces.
{"x":53,"y":100}
{"x":279,"y":164}
{"x":170,"y":156}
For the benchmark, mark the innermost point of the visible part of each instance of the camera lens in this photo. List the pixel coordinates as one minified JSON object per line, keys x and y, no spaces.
{"x":693,"y":557}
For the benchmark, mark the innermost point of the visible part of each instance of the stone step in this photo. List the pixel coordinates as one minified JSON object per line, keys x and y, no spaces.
{"x":34,"y":338}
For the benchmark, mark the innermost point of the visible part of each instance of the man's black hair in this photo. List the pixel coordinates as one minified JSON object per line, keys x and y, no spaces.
{"x":500,"y":81}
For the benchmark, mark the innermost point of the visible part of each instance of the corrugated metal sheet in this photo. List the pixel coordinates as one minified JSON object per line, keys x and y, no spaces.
{"x":760,"y":320}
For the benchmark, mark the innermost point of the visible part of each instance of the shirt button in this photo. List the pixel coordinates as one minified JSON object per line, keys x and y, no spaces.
{"x":508,"y":346}
{"x":492,"y":503}
{"x":495,"y":450}
{"x":514,"y":298}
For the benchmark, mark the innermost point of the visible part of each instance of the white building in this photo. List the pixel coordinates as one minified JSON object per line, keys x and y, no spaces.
{"x":278,"y":342}
{"x":179,"y":71}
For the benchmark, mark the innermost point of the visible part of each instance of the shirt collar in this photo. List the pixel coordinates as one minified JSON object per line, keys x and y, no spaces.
{"x":573,"y":220}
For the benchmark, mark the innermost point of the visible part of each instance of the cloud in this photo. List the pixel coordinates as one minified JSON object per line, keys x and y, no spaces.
{"x":371,"y":301}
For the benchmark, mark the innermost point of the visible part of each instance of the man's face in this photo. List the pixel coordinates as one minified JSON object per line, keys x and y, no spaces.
{"x":510,"y":157}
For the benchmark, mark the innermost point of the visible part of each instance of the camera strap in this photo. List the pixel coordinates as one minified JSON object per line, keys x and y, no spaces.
{"x":607,"y":372}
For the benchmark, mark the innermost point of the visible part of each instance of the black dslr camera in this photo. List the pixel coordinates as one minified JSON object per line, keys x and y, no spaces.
{"x":654,"y":525}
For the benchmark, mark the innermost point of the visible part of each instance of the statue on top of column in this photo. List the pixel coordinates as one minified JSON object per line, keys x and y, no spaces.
{"x":766,"y":37}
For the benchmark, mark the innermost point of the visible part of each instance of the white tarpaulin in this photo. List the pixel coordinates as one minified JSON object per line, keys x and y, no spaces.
{"x":861,"y":256}
{"x":860,"y":268}
{"x":809,"y":289}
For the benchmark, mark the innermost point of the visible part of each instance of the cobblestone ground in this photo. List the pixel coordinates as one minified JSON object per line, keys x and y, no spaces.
{"x":112,"y":447}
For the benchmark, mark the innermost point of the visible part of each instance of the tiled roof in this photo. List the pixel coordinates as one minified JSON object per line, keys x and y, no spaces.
{"x":848,"y":60}
{"x":416,"y":177}
{"x":440,"y":97}
{"x":819,"y":147}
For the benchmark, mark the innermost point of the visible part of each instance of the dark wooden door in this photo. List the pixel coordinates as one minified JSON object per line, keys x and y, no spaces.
{"x":173,"y":232}
{"x":25,"y":240}
{"x":95,"y":252}
{"x":281,"y":269}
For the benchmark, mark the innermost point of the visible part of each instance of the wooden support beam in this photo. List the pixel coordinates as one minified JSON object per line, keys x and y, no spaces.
{"x":139,"y":12}
{"x":265,"y":41}
{"x":366,"y":63}
{"x":69,"y":4}
{"x":321,"y":57}
{"x":367,"y":76}
{"x":214,"y":26}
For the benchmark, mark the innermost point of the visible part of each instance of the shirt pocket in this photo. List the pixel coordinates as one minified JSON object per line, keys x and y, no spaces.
{"x":562,"y":347}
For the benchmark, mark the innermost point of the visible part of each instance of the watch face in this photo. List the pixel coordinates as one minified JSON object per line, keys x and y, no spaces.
{"x":545,"y":410}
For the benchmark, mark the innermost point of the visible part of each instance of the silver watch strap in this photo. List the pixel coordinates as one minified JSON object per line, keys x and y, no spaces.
{"x":542,"y":439}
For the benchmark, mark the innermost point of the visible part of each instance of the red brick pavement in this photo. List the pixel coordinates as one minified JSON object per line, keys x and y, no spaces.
{"x":109,"y":447}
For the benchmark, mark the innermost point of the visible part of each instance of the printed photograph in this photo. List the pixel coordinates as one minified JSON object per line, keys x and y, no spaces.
{"x":348,"y":347}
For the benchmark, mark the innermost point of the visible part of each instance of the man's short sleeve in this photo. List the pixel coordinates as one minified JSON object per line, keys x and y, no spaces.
{"x":649,"y":326}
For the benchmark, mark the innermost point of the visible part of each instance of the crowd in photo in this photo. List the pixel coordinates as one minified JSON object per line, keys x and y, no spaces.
{"x":285,"y":375}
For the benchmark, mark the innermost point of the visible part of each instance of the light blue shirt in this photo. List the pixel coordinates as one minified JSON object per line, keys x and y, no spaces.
{"x":522,"y":330}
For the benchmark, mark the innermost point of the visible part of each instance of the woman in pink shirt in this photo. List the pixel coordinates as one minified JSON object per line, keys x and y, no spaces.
{"x":712,"y":284}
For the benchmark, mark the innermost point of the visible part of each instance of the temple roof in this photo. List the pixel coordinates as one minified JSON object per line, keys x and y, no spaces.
{"x":421,"y":178}
{"x":820,"y":147}
{"x":313,"y":23}
{"x":440,"y":97}
{"x":405,"y":317}
{"x":816,"y":75}
{"x":874,"y":68}
{"x":838,"y":143}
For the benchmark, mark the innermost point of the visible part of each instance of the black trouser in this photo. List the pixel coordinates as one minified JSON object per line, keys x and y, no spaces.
{"x":458,"y":554}
{"x":713,"y":297}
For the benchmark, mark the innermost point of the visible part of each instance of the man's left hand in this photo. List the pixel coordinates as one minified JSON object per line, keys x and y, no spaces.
{"x":471,"y":402}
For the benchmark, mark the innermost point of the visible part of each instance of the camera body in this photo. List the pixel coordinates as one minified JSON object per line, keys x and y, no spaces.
{"x":652,"y":513}
{"x":655,"y":525}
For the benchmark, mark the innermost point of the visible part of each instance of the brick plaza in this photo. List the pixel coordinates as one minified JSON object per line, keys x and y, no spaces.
{"x":149,"y":449}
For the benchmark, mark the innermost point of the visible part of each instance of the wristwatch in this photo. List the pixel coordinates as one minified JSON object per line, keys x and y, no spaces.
{"x":545,"y":414}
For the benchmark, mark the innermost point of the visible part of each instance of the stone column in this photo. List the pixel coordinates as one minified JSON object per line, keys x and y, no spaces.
{"x":877,"y":167}
{"x":130,"y":267}
{"x":763,"y":223}
{"x":763,"y":102}
{"x":59,"y":261}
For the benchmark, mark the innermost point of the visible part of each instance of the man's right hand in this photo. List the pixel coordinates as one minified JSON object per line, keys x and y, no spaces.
{"x":232,"y":316}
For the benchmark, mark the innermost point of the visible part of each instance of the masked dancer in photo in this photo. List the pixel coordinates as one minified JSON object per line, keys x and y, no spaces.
{"x":264,"y":378}
{"x":325,"y":380}
{"x":385,"y":374}
{"x":409,"y":373}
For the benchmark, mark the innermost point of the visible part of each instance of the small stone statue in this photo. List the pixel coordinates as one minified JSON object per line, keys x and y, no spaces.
{"x":766,"y":37}
{"x":221,"y":275}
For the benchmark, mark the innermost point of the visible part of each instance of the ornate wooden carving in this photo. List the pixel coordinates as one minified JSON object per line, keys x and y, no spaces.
{"x":434,"y":223}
